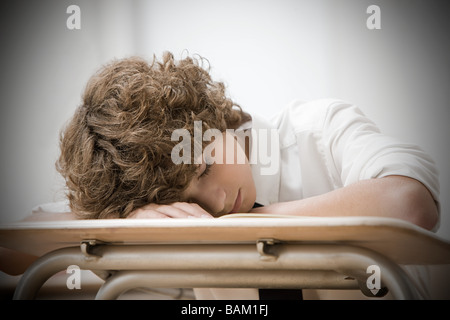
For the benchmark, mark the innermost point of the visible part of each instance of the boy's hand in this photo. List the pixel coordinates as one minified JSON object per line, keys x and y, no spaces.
{"x":174,"y":210}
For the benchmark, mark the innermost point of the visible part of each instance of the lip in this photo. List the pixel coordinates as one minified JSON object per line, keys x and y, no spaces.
{"x":237,"y":203}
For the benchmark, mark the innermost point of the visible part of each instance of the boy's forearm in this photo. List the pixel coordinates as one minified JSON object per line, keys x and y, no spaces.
{"x":393,"y":196}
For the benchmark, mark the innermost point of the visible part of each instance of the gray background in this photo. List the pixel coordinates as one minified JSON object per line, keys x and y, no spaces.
{"x":267,"y":52}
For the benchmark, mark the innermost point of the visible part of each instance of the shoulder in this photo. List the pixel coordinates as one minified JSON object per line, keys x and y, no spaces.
{"x":311,"y":115}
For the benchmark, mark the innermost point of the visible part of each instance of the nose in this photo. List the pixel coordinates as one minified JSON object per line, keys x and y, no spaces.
{"x":212,"y":200}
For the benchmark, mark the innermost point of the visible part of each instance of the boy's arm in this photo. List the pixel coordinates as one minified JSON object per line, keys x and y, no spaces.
{"x":392,"y":196}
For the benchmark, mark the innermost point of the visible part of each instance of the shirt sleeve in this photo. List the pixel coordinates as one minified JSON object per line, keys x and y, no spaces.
{"x":360,"y":151}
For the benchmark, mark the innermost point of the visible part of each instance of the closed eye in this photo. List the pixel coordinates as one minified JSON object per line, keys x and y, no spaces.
{"x":206,"y":171}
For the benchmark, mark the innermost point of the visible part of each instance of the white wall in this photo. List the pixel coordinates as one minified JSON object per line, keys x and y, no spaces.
{"x":267,"y":52}
{"x":270,"y":52}
{"x":44,"y":69}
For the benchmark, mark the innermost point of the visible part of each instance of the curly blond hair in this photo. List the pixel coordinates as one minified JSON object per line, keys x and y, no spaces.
{"x":116,"y":150}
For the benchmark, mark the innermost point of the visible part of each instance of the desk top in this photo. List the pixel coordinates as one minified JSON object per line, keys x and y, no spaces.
{"x":401,"y":241}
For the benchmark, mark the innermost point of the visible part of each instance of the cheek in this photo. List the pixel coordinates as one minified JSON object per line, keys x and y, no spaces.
{"x":250,"y":189}
{"x":236,"y":173}
{"x":232,"y":177}
{"x":245,"y":182}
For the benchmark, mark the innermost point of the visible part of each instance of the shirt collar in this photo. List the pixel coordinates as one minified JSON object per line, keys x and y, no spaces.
{"x":267,"y":185}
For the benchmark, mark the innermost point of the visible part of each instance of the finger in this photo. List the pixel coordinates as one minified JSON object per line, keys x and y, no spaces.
{"x":154,"y":210}
{"x":147,"y":214}
{"x":193,"y":209}
{"x":149,"y":206}
{"x":173,"y":211}
{"x":183,"y":210}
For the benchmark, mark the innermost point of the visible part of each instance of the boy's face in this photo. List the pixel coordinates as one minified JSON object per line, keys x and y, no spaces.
{"x":226,"y":185}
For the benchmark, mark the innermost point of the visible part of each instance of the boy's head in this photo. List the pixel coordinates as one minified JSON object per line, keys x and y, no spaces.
{"x":116,"y":150}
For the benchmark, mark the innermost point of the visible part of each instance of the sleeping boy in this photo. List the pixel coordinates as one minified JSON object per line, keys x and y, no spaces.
{"x":121,"y":154}
{"x":161,"y":139}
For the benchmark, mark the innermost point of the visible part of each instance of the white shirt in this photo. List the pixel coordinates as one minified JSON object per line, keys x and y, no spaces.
{"x":325,"y":145}
{"x":328,"y":144}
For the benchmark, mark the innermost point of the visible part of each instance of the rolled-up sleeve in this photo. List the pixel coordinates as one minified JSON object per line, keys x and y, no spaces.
{"x":360,"y":151}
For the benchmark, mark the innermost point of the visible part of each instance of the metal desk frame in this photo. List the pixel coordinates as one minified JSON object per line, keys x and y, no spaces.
{"x":277,"y":265}
{"x":308,"y":253}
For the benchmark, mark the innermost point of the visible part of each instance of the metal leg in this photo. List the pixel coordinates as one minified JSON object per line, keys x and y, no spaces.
{"x":123,"y":281}
{"x":45,"y":267}
{"x":220,"y":265}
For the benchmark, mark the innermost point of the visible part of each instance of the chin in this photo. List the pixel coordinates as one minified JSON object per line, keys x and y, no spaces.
{"x":247,"y":207}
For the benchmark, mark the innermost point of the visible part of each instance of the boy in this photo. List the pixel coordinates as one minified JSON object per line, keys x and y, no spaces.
{"x":154,"y":141}
{"x":138,"y":148}
{"x":117,"y":154}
